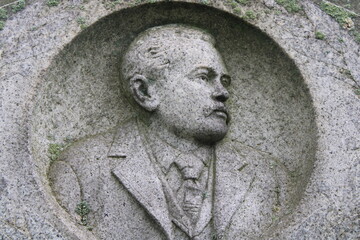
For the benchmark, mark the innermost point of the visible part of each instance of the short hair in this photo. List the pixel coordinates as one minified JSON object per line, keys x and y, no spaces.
{"x":157,"y":49}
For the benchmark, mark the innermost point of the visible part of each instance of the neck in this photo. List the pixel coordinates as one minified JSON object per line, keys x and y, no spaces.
{"x":180,"y":143}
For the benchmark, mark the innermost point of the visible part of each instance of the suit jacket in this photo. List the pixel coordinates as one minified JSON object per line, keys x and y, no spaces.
{"x":112,"y":172}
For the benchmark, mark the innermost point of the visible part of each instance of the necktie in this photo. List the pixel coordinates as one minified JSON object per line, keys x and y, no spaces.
{"x":192,"y":199}
{"x":192,"y":190}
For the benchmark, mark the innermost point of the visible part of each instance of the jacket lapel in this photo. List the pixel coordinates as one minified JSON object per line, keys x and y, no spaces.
{"x":136,"y":173}
{"x":233,"y":178}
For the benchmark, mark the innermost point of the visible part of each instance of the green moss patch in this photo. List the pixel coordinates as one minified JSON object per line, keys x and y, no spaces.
{"x":20,"y":5}
{"x":341,"y":15}
{"x":82,"y":22}
{"x":2,"y":25}
{"x":357,"y":91}
{"x":250,"y":15}
{"x":52,"y":3}
{"x":83,"y":209}
{"x":319,"y":35}
{"x":54,"y":151}
{"x":236,"y":3}
{"x":3,"y":14}
{"x":243,"y":1}
{"x":356,"y":35}
{"x":237,"y":10}
{"x":289,"y":5}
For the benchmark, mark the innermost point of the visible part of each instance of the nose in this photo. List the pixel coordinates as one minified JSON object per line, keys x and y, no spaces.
{"x":220,"y":93}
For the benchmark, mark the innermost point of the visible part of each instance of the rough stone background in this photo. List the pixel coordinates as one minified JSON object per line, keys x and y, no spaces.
{"x":41,"y":34}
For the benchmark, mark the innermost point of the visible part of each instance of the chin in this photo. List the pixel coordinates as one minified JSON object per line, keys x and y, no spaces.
{"x":213,"y":135}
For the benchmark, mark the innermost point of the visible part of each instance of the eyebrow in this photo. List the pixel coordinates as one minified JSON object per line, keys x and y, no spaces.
{"x":209,"y":70}
{"x":202,"y":68}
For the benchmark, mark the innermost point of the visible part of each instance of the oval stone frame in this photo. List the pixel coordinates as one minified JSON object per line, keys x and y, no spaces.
{"x":270,"y":104}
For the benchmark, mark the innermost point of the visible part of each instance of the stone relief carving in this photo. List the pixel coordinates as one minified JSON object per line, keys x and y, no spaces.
{"x":168,"y":174}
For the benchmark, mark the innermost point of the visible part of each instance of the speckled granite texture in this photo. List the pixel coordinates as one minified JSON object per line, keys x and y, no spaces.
{"x":293,"y":137}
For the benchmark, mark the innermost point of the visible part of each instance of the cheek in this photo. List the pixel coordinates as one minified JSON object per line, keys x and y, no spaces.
{"x":188,"y":98}
{"x":193,"y":90}
{"x":192,"y":99}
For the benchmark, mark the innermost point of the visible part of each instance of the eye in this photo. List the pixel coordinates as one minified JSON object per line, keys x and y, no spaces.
{"x":225,"y":81}
{"x":203,"y":77}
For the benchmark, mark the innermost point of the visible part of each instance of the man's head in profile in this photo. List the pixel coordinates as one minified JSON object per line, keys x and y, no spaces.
{"x":175,"y":73}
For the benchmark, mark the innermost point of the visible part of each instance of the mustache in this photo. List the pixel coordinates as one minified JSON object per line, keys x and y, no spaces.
{"x":210,"y":110}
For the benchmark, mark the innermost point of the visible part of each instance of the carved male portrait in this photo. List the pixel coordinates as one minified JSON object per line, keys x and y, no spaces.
{"x":169,"y":173}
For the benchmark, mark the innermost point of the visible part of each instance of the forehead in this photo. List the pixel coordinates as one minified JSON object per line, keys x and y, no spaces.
{"x":198,"y":53}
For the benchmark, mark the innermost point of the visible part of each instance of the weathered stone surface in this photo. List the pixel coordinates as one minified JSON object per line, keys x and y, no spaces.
{"x":293,"y":99}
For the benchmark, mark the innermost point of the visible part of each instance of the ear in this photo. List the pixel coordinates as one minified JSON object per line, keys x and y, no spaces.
{"x":144,"y":92}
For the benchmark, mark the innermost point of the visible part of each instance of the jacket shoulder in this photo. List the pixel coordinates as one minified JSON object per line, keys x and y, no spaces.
{"x":87,"y":150}
{"x":93,"y":150}
{"x":74,"y":165}
{"x":267,"y":170}
{"x":80,"y":168}
{"x":270,"y":192}
{"x":256,"y":157}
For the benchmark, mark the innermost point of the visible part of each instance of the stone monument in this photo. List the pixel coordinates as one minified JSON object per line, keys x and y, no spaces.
{"x":164,"y":175}
{"x":179,"y":119}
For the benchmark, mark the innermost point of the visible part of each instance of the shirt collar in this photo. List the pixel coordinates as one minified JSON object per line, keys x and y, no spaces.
{"x":166,"y":154}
